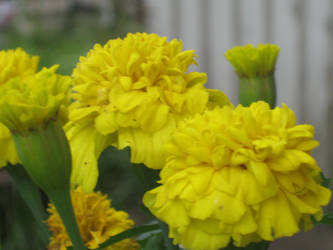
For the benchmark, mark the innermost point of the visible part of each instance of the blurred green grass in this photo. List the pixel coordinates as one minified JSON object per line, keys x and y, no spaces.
{"x":65,"y":47}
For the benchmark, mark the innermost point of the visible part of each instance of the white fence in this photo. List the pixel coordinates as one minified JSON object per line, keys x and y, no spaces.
{"x":302,"y":28}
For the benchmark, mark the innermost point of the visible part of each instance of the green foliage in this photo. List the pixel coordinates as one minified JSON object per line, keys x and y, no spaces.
{"x":30,"y":193}
{"x":263,"y":245}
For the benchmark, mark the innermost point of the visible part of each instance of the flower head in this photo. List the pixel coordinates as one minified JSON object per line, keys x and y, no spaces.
{"x":244,"y":174}
{"x":13,"y":64}
{"x":249,"y":61}
{"x":138,"y":87}
{"x":29,"y":103}
{"x":97,"y":222}
{"x":16,"y":63}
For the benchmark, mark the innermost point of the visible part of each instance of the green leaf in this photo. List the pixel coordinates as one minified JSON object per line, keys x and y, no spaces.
{"x":327,"y":219}
{"x":326,"y":181}
{"x":130,"y":233}
{"x":29,"y":192}
{"x":168,"y":245}
{"x":155,"y":242}
{"x":263,"y":245}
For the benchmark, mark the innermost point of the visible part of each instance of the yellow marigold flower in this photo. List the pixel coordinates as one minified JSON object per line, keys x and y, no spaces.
{"x":138,"y":87}
{"x":13,"y":63}
{"x":97,"y":222}
{"x":16,"y":63}
{"x":244,"y":174}
{"x":29,"y":103}
{"x":250,"y":61}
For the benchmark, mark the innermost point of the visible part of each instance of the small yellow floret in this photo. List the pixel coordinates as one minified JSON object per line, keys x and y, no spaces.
{"x":244,"y":174}
{"x":249,"y":61}
{"x":16,"y":63}
{"x":29,"y":103}
{"x":97,"y":222}
{"x":139,"y":88}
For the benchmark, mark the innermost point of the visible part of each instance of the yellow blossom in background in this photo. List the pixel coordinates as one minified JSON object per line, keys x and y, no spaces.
{"x":16,"y":63}
{"x":29,"y":103}
{"x":243,"y":174}
{"x":132,"y":92}
{"x":13,"y":64}
{"x":97,"y":221}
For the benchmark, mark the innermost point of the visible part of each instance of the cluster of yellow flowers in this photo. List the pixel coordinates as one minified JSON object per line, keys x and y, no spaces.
{"x":132,"y":93}
{"x":228,"y":174}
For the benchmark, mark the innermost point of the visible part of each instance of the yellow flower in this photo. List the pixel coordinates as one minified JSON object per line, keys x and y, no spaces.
{"x":244,"y":174}
{"x":13,"y":64}
{"x":31,"y":102}
{"x":138,"y":87}
{"x":97,"y":222}
{"x":250,"y":61}
{"x":16,"y":63}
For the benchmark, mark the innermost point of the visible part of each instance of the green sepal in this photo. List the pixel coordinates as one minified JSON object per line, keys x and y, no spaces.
{"x":46,"y":156}
{"x":257,"y":89}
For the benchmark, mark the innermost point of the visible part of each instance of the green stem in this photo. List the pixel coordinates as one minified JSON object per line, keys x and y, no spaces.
{"x":45,"y":154}
{"x":63,"y":204}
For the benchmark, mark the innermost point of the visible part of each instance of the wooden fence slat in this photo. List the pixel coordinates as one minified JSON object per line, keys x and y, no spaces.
{"x":285,"y":35}
{"x":222,"y":75}
{"x":252,"y":20}
{"x":316,"y":98}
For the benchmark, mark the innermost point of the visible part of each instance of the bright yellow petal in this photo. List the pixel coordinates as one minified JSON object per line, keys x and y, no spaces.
{"x":217,"y":99}
{"x":276,"y":218}
{"x":8,"y":151}
{"x":196,"y":236}
{"x":146,"y":148}
{"x":86,"y":146}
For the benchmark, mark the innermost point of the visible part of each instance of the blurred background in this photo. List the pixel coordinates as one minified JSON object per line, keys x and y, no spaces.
{"x":63,"y":30}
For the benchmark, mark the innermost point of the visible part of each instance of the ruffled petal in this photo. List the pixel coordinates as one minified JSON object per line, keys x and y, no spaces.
{"x":276,"y":218}
{"x":146,"y":148}
{"x":86,"y":146}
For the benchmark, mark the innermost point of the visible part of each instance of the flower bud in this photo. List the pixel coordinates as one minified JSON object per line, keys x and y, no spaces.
{"x":255,"y":69}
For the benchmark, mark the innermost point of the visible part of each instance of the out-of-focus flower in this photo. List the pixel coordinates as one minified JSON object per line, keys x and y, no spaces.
{"x":244,"y":174}
{"x":13,"y":64}
{"x":30,"y":103}
{"x":97,"y":220}
{"x":255,"y":69}
{"x":132,"y":92}
{"x":16,"y":63}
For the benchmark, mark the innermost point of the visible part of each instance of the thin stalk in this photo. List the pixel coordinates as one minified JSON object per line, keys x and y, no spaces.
{"x":64,"y":207}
